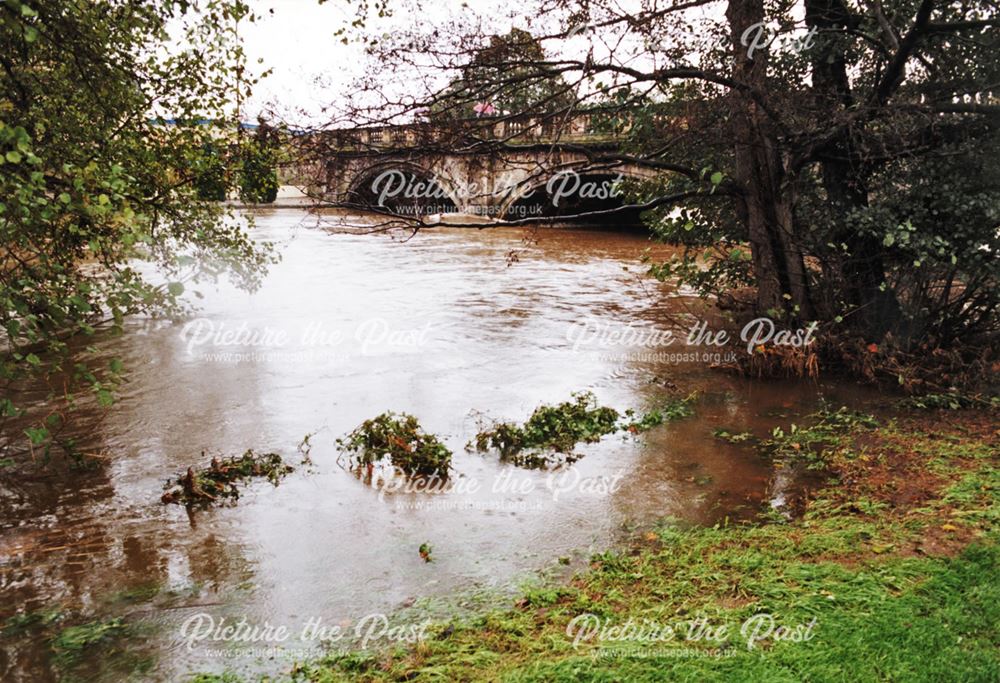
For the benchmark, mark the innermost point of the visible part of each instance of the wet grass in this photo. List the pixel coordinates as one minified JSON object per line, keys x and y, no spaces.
{"x":896,"y":560}
{"x":78,"y":646}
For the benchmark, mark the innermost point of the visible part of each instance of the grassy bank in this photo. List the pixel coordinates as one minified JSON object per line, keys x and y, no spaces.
{"x":894,"y":563}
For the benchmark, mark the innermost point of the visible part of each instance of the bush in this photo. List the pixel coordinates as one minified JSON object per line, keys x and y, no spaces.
{"x":402,"y":440}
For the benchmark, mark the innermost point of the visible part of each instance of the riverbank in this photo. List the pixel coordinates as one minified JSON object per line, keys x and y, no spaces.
{"x":890,"y":574}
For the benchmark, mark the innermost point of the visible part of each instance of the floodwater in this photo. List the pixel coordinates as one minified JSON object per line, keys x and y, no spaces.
{"x":453,"y":326}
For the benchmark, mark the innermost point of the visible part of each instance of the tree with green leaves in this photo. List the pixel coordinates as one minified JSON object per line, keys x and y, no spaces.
{"x":259,"y":165}
{"x":106,"y":124}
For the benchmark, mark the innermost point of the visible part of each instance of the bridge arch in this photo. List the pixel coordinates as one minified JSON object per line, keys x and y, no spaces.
{"x":570,"y":191}
{"x":402,"y":187}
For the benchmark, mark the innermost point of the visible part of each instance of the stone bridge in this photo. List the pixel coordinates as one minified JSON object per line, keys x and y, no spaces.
{"x":511,"y":169}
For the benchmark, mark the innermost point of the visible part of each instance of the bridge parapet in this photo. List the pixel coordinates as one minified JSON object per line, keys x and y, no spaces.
{"x":515,"y":130}
{"x":487,"y":166}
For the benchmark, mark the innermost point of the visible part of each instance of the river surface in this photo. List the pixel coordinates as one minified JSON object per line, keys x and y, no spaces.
{"x":453,"y":326}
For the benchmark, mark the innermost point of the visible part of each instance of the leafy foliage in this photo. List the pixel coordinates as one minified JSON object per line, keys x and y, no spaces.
{"x":259,"y":172}
{"x":211,"y":178}
{"x":402,"y":440}
{"x":668,"y":411}
{"x":107,"y":134}
{"x":731,"y":437}
{"x":808,"y":442}
{"x":557,"y":429}
{"x":71,"y":643}
{"x":949,"y":401}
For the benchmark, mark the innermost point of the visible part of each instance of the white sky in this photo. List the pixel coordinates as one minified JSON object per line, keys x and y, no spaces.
{"x":312,"y":68}
{"x":296,"y":39}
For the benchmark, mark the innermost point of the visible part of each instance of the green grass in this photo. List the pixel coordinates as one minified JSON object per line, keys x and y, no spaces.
{"x":24,"y":622}
{"x":916,"y":620}
{"x":898,"y":592}
{"x":901,"y":620}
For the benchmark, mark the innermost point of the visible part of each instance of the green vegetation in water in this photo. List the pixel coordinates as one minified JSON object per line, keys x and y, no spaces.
{"x":225,"y":677}
{"x":668,"y":411}
{"x":304,"y":447}
{"x":74,"y":641}
{"x":140,"y":593}
{"x":425,"y":551}
{"x":809,"y":442}
{"x":898,"y":588}
{"x":733,"y":437}
{"x":29,"y":621}
{"x":402,"y":440}
{"x":948,"y":401}
{"x":218,"y":482}
{"x":554,"y":430}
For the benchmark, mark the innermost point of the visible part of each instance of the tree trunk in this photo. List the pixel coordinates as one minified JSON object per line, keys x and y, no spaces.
{"x":861,"y":271}
{"x":768,"y":194}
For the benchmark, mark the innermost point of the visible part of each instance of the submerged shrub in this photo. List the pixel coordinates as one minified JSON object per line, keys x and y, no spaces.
{"x":402,"y":440}
{"x":559,"y":428}
{"x":218,"y":481}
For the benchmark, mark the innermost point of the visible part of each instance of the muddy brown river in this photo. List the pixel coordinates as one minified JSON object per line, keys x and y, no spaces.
{"x":449,"y":326}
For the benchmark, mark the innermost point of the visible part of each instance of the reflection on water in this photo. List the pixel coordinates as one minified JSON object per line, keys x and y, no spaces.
{"x":345,"y":327}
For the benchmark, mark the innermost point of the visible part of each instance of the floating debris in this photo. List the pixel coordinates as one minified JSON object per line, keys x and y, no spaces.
{"x":218,"y":482}
{"x":557,"y":428}
{"x":551,"y":433}
{"x":668,"y":411}
{"x":402,"y":440}
{"x":425,"y":552}
{"x":733,"y":437}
